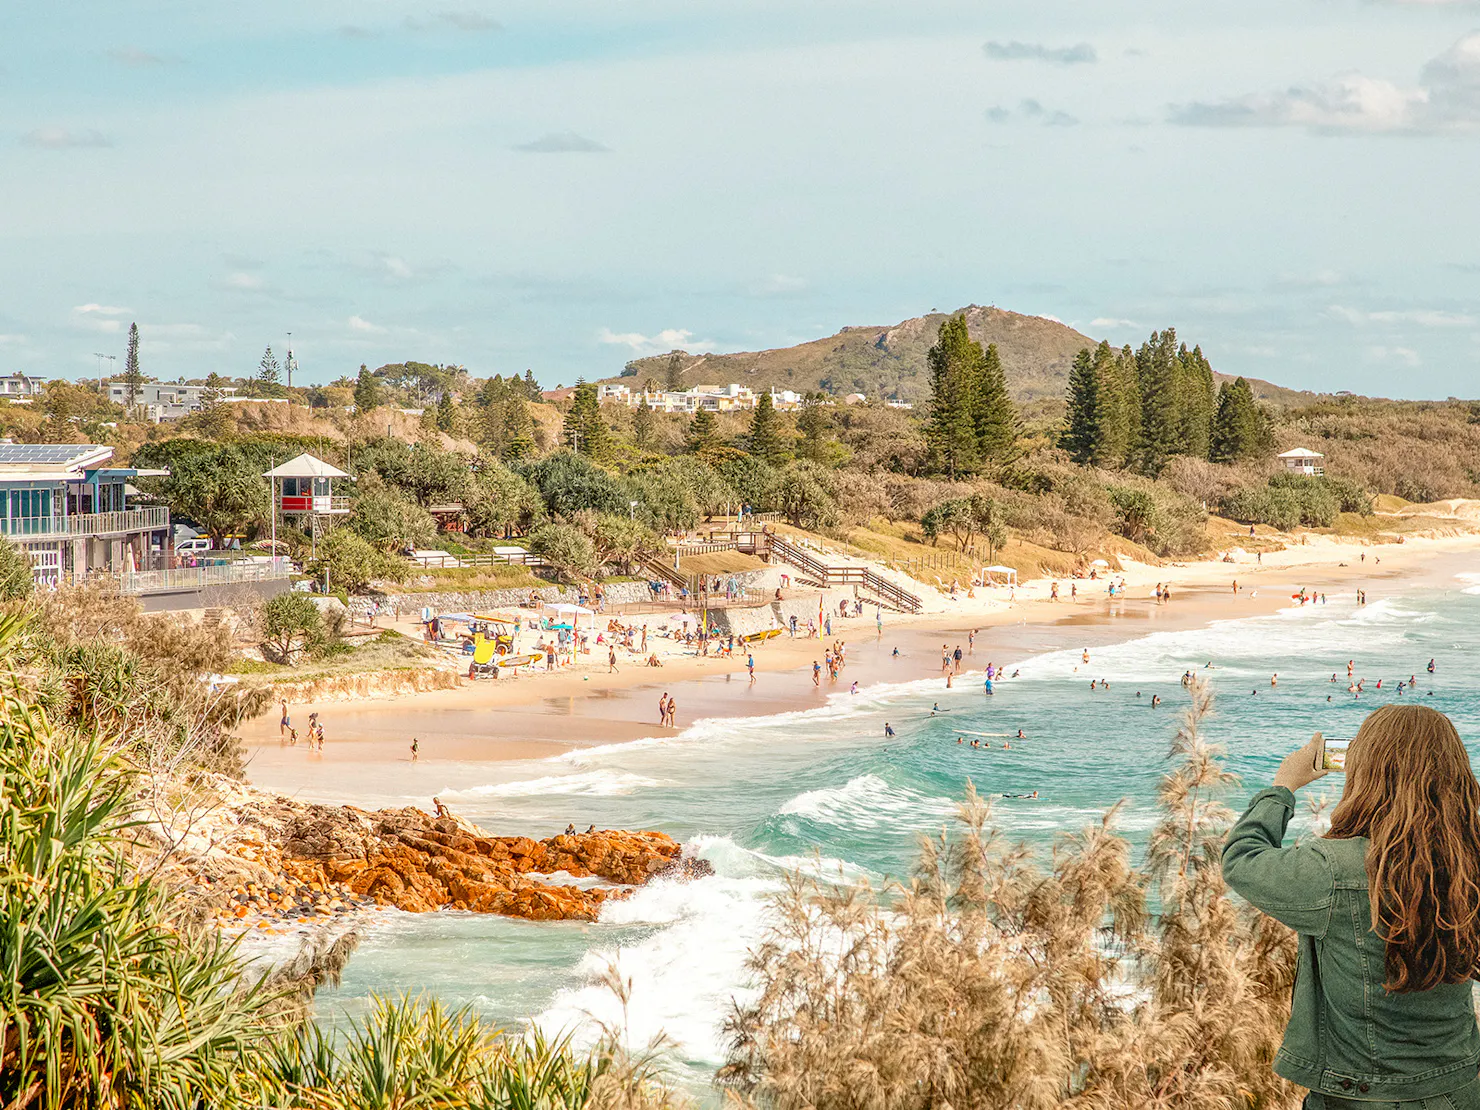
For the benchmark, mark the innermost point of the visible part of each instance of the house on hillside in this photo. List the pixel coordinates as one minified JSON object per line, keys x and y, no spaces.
{"x":1303,"y":461}
{"x":158,"y":401}
{"x":21,"y":389}
{"x":70,"y":512}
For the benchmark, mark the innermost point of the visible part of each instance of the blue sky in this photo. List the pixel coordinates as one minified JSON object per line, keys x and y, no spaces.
{"x":564,"y":185}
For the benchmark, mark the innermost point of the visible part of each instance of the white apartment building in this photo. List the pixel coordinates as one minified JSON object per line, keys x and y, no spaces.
{"x":21,"y":388}
{"x":706,"y":398}
{"x":164,"y":400}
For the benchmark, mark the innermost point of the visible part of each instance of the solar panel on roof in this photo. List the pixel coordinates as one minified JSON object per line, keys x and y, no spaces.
{"x":46,"y":454}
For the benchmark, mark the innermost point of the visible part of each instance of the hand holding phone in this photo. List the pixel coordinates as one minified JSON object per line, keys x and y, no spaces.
{"x":1303,"y":765}
{"x":1331,"y":753}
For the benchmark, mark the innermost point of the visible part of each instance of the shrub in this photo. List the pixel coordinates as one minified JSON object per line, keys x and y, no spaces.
{"x":565,"y":548}
{"x":805,"y":496}
{"x":391,"y":521}
{"x":16,"y":579}
{"x":292,"y":627}
{"x":352,"y":563}
{"x":992,"y":980}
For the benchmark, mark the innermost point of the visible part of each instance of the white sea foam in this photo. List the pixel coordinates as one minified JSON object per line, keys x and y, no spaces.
{"x":685,"y":975}
{"x":594,"y":783}
{"x":866,"y":802}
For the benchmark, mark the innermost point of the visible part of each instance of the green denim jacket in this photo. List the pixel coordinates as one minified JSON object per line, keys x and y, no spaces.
{"x":1347,"y":1036}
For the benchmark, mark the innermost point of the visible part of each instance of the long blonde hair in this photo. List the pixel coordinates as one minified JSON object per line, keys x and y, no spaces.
{"x":1410,"y":791}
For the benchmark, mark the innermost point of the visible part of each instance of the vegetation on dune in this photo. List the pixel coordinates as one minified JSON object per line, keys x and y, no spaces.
{"x":994,"y":980}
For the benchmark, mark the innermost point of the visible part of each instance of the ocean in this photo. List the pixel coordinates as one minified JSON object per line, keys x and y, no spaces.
{"x":826,"y":790}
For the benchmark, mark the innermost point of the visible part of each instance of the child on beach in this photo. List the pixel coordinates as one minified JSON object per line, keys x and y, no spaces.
{"x":415,"y":749}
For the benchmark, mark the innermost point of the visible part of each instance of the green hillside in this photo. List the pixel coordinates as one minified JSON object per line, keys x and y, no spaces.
{"x":890,"y":361}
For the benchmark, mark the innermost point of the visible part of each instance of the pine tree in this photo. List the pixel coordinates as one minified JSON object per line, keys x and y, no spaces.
{"x":268,"y":370}
{"x":517,"y":435}
{"x":367,"y":391}
{"x":532,"y":387}
{"x":642,"y":424}
{"x":700,"y":433}
{"x":955,"y":364}
{"x":813,"y":424}
{"x":212,"y":419}
{"x":673,"y":377}
{"x":1082,"y":437}
{"x":764,"y":440}
{"x":1158,"y":375}
{"x":584,"y":430}
{"x":1117,"y":399}
{"x":1240,"y":428}
{"x":446,"y":415}
{"x":992,"y":411}
{"x":133,"y":377}
{"x":1196,"y":401}
{"x":1128,"y":393}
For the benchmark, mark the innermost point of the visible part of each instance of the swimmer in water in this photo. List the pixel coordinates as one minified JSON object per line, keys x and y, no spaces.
{"x":1022,"y":735}
{"x":1155,"y":700}
{"x":888,"y":729}
{"x":1032,"y":795}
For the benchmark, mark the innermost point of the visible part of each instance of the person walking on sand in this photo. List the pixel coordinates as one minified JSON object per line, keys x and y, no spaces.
{"x":956,"y":656}
{"x":663,"y":709}
{"x":644,"y":638}
{"x":672,"y":712}
{"x":415,"y":749}
{"x":611,"y":659}
{"x":1386,"y":912}
{"x":287,"y":723}
{"x":750,"y":665}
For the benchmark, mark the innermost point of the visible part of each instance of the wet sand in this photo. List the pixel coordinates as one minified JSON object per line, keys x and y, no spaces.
{"x":539,"y":716}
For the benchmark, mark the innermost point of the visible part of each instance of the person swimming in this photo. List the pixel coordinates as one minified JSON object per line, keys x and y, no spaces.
{"x":888,"y":729}
{"x":1022,"y":735}
{"x":1032,"y":795}
{"x":1155,"y":700}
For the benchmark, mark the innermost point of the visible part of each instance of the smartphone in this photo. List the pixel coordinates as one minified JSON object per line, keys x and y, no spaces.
{"x":1331,"y":755}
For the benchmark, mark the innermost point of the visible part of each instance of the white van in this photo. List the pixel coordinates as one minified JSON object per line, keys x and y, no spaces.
{"x":199,"y":543}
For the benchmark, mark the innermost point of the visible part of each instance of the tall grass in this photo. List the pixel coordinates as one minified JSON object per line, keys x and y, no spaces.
{"x":994,"y":979}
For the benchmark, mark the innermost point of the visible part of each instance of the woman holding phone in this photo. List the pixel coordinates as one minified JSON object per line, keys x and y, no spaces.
{"x":1387,"y":909}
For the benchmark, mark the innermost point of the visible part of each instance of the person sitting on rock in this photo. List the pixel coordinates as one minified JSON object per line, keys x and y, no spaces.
{"x":570,"y":829}
{"x":442,"y":811}
{"x":592,"y":829}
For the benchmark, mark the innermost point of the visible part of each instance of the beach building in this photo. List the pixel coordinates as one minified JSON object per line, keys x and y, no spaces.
{"x":1303,"y":461}
{"x":21,"y":389}
{"x":159,"y":401}
{"x":304,"y":486}
{"x":701,"y":398}
{"x":70,"y":512}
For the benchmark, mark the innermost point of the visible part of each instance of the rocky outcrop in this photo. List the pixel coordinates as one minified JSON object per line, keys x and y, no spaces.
{"x":274,"y":857}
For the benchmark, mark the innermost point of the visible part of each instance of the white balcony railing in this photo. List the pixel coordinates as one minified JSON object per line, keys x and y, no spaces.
{"x":86,"y":524}
{"x":211,"y":574}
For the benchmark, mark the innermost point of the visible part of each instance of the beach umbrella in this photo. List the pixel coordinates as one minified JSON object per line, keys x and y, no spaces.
{"x":1100,"y":563}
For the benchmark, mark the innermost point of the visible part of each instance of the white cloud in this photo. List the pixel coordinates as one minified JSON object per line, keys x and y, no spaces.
{"x":99,"y":317}
{"x":60,"y":138}
{"x":1421,"y":317}
{"x":1079,"y":53}
{"x":396,"y":267}
{"x":1031,"y":111}
{"x":246,"y":283}
{"x":779,"y":285}
{"x":669,"y":339}
{"x":1447,"y":98}
{"x":1112,"y":322}
{"x":562,"y":142}
{"x":11,"y":340}
{"x":136,"y":58}
{"x":1405,"y":355}
{"x":360,"y":324}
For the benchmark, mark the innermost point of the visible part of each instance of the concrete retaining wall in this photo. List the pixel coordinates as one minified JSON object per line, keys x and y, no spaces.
{"x":618,"y":593}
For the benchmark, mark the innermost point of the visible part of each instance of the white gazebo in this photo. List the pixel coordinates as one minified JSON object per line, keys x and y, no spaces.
{"x":1009,"y":573}
{"x":1303,"y":461}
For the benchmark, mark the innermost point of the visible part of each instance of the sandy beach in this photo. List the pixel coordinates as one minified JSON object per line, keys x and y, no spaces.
{"x":538,"y":715}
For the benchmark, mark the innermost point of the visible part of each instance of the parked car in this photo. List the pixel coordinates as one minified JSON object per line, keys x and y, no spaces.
{"x":199,"y":543}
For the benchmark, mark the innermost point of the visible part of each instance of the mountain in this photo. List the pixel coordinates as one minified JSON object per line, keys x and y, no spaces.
{"x":890,"y":361}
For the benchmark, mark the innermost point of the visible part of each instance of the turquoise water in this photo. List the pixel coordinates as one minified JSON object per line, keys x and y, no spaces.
{"x":825,"y":788}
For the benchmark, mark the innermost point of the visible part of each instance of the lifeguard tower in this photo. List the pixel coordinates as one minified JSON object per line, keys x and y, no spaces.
{"x":303,"y":487}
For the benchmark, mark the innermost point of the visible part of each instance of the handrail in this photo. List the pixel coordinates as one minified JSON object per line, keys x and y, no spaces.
{"x":845,"y":576}
{"x":87,"y":524}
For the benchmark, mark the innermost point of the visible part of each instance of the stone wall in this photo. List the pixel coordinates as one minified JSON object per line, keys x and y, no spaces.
{"x":472,"y":601}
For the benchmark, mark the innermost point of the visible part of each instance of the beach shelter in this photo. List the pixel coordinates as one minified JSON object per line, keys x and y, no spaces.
{"x":1009,"y":572}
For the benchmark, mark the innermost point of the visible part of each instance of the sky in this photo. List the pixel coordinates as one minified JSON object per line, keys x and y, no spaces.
{"x":564,"y":185}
